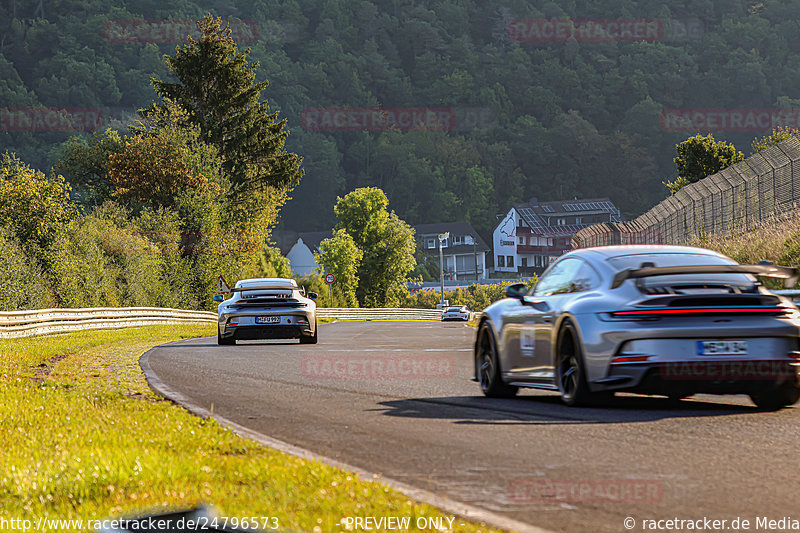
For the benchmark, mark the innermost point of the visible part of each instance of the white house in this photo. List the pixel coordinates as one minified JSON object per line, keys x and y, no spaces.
{"x":463,"y":252}
{"x":533,"y":234}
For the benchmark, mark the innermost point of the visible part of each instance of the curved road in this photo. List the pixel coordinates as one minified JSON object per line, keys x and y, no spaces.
{"x":395,"y":398}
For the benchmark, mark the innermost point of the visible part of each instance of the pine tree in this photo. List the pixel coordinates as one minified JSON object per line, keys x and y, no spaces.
{"x":217,"y":89}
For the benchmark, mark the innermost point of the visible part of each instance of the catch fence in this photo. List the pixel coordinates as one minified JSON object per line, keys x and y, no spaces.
{"x":763,"y":186}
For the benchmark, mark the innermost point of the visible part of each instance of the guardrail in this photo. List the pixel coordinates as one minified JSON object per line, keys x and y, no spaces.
{"x":379,"y":313}
{"x":15,"y":324}
{"x":793,"y":294}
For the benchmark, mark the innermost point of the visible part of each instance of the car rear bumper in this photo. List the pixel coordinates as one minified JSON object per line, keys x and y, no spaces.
{"x":243,"y":333}
{"x":726,"y":376}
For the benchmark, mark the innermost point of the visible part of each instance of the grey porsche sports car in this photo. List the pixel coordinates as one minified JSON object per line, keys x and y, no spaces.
{"x":662,"y":320}
{"x":267,"y":308}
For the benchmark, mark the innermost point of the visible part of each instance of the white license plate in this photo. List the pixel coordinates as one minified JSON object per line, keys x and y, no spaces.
{"x":268,"y":320}
{"x":721,"y":347}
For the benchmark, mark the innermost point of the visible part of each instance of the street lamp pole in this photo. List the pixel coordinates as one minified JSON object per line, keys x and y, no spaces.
{"x":475,"y":255}
{"x":442,"y":237}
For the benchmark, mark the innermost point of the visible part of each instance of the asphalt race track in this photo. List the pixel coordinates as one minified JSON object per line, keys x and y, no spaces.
{"x":396,"y":398}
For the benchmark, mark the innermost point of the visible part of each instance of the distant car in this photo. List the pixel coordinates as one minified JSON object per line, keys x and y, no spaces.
{"x":267,"y":308}
{"x":456,"y":312}
{"x":663,"y":320}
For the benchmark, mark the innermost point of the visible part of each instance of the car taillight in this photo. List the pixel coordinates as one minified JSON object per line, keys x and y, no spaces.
{"x":630,"y":358}
{"x":694,"y":311}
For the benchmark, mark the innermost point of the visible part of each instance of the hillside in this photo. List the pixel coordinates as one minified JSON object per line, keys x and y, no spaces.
{"x":552,"y":119}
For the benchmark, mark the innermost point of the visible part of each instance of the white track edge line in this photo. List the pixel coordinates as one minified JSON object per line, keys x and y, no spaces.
{"x":464,"y":510}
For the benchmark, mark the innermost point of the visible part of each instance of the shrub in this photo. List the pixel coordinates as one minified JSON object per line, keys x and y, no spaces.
{"x":32,"y":206}
{"x":475,"y":297}
{"x":23,"y":284}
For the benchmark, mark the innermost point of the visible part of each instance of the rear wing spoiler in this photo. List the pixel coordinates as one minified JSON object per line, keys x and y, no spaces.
{"x":267,"y":288}
{"x":788,"y":274}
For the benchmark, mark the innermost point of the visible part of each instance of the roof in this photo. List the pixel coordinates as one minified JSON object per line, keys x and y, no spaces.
{"x":313,"y":238}
{"x":534,"y":213}
{"x":455,"y":228}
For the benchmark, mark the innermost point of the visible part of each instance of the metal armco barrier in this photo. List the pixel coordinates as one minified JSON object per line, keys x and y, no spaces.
{"x":15,"y":324}
{"x":379,"y":313}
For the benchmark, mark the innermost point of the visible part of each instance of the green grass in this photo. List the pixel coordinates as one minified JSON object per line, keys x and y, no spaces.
{"x":85,"y":437}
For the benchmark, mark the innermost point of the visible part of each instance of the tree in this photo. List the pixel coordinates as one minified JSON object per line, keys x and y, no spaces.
{"x":33,"y":207}
{"x":156,"y":170}
{"x":781,"y":133}
{"x":699,"y":157}
{"x":85,"y":165}
{"x":217,"y":89}
{"x":386,"y":242}
{"x":340,"y":256}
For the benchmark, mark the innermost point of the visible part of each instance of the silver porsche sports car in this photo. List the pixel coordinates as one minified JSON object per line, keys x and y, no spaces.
{"x":663,"y":320}
{"x":267,"y":308}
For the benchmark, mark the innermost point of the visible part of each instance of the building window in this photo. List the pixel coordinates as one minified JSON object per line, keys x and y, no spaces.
{"x":524,"y":262}
{"x":431,"y":243}
{"x":510,"y":261}
{"x":456,"y":239}
{"x":501,"y":261}
{"x":561,"y":221}
{"x":521,"y":240}
{"x":578,"y":220}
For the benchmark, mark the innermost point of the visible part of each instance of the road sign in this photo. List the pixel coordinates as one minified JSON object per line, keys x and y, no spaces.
{"x":330,"y":278}
{"x":222,"y":285}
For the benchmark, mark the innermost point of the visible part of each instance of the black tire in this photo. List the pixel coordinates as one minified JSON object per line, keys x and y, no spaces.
{"x":779,"y":397}
{"x":488,"y":368}
{"x":224,"y":342}
{"x":312,"y":339}
{"x":570,"y":370}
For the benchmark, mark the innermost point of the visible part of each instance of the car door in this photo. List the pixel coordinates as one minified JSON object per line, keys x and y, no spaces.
{"x":573,"y":276}
{"x":526,"y":323}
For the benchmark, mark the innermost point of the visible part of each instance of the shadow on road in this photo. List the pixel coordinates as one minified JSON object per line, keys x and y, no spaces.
{"x":548,"y":410}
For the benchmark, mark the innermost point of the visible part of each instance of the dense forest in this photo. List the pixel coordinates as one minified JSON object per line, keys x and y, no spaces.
{"x":545,"y":119}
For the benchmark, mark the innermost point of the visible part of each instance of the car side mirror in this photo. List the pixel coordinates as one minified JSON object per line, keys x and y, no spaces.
{"x":313,"y":295}
{"x":516,"y":291}
{"x":218,"y":298}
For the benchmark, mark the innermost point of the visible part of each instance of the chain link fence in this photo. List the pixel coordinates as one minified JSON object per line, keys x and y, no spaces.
{"x":739,"y":198}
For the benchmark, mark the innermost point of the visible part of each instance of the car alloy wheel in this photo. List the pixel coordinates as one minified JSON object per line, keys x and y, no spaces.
{"x":489,"y":372}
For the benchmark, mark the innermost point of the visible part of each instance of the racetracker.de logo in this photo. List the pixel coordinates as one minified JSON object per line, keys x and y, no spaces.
{"x":395,"y":118}
{"x":728,"y":370}
{"x":586,"y":30}
{"x":728,"y":120}
{"x":50,"y":119}
{"x":585,"y":490}
{"x":171,"y":31}
{"x":377,"y":367}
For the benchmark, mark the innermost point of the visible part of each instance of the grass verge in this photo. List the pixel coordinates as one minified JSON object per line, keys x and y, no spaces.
{"x":84,"y":437}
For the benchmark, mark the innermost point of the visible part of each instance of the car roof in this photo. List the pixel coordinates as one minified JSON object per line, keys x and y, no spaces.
{"x":608,"y":252}
{"x":266,"y":282}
